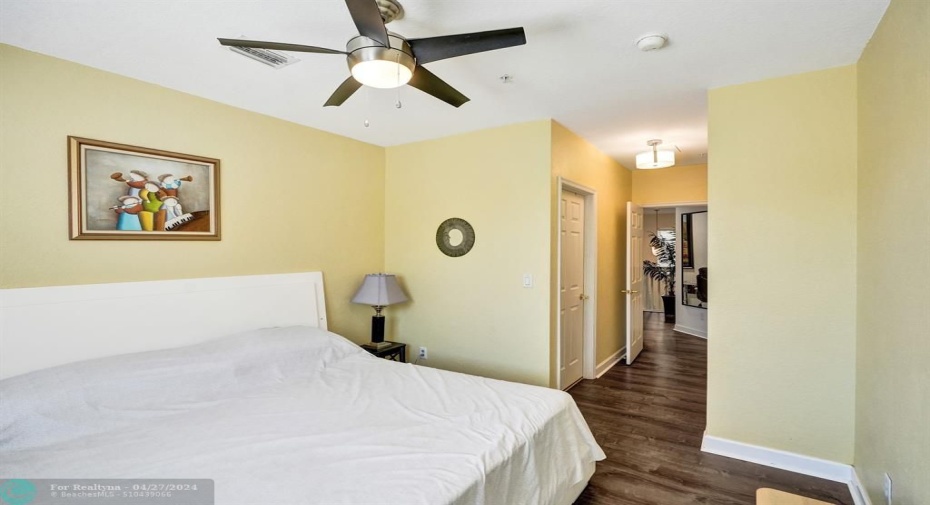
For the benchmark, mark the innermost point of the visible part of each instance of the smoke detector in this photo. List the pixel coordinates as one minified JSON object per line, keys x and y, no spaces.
{"x":651,"y":42}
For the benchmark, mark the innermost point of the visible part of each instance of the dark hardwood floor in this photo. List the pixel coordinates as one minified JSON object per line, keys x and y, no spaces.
{"x":649,"y":419}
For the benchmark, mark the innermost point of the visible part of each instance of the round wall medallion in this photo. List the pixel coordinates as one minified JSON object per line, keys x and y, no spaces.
{"x":455,"y":237}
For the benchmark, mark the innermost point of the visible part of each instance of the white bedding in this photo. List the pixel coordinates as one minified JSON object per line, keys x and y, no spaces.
{"x":297,"y":416}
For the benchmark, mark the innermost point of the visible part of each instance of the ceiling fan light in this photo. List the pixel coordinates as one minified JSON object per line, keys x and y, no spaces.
{"x":380,"y":67}
{"x":381,"y":74}
{"x":655,"y":159}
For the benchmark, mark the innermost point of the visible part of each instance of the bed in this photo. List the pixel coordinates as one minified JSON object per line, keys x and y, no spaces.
{"x":273,"y":413}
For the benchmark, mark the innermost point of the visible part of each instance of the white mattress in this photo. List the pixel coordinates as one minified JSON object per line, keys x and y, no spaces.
{"x":297,"y":416}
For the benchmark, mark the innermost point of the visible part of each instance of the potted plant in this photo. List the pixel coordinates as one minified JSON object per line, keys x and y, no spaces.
{"x":663,"y":270}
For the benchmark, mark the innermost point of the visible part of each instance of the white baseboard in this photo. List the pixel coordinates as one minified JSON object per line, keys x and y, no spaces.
{"x":799,"y":463}
{"x":859,"y":495}
{"x":609,"y":363}
{"x":691,"y":331}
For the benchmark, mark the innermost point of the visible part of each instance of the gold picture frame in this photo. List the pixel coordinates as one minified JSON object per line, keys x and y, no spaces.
{"x":124,"y":192}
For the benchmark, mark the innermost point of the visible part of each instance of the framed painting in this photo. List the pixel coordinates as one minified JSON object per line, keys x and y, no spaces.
{"x":123,"y":192}
{"x":687,"y":256}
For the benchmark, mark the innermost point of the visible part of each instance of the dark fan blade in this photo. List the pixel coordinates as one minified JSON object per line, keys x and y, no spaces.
{"x":278,"y":45}
{"x":367,"y":18}
{"x":450,"y":46}
{"x":427,"y":82}
{"x":343,"y":92}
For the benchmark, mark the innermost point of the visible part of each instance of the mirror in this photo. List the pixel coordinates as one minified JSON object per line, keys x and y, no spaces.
{"x":456,"y":237}
{"x":694,"y":259}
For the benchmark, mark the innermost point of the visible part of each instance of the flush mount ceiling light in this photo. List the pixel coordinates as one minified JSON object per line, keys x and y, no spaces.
{"x":655,"y":158}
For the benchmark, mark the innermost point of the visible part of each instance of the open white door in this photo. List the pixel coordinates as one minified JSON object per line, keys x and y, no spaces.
{"x":634,"y":281}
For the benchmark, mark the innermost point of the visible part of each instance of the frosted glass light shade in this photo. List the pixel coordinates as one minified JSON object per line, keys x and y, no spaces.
{"x":381,"y":74}
{"x":655,"y":159}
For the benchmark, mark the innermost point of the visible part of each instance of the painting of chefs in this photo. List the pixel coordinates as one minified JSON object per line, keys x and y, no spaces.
{"x":150,"y":207}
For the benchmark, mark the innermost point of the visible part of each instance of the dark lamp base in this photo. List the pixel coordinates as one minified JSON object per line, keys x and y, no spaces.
{"x":377,"y":329}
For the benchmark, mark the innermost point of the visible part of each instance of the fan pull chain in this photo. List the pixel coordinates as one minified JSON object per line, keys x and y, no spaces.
{"x":367,"y":107}
{"x":398,"y":104}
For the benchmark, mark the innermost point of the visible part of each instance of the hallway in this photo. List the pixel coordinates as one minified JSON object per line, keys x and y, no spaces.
{"x":649,"y":419}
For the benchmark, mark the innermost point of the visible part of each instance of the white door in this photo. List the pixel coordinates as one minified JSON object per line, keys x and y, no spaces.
{"x":572,"y":290}
{"x":634,"y":281}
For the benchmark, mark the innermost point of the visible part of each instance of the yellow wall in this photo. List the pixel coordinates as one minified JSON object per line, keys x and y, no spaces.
{"x":575,"y":159}
{"x":782,"y":246}
{"x":274,"y":175}
{"x":472,"y":312}
{"x":687,"y":184}
{"x":893,"y":372}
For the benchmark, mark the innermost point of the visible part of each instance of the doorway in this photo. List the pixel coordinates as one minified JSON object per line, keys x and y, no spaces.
{"x":658,"y":221}
{"x":687,"y":224}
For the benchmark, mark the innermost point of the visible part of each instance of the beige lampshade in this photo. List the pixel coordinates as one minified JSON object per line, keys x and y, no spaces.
{"x":379,"y":290}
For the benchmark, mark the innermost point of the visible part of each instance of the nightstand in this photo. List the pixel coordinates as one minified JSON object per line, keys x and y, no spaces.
{"x":397,"y":351}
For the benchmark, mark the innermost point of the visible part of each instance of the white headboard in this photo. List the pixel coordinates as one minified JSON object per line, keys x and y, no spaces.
{"x":43,"y":327}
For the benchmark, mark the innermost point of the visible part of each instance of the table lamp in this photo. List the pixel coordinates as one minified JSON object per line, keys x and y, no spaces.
{"x":379,"y":291}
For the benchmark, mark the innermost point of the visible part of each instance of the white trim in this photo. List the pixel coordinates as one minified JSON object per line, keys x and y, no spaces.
{"x":581,"y":189}
{"x":859,"y":494}
{"x":590,"y":282}
{"x":48,"y":326}
{"x":690,"y":331}
{"x":672,"y":205}
{"x":604,"y":366}
{"x":775,"y":458}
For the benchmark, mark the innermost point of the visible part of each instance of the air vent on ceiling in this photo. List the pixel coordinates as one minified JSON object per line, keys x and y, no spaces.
{"x":273,"y":59}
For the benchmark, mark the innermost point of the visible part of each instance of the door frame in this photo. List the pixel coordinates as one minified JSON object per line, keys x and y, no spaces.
{"x":589,"y":316}
{"x":679,"y":274}
{"x":674,"y":208}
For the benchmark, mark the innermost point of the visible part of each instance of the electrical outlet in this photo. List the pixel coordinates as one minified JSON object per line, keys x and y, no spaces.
{"x":423,"y":353}
{"x":887,"y":489}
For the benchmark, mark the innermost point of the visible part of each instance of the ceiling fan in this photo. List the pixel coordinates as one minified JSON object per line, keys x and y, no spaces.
{"x":383,"y":59}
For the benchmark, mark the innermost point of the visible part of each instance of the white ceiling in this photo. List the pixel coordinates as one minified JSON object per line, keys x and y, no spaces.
{"x":579,"y":67}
